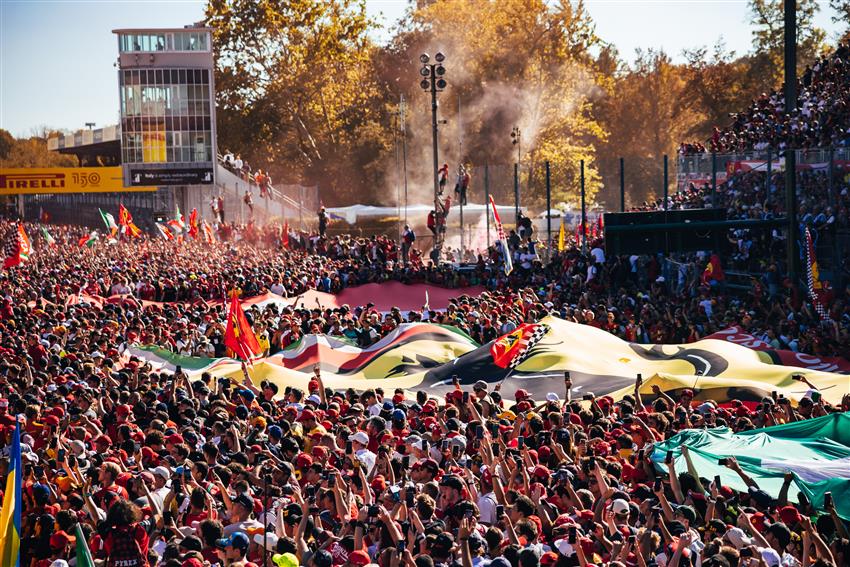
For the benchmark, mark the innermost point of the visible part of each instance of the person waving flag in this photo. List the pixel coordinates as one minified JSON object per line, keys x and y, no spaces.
{"x":239,"y":336}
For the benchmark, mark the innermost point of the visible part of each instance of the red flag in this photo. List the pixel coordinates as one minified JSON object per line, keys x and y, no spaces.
{"x":511,"y":349}
{"x":284,"y":238}
{"x":238,"y":336}
{"x":193,"y":223}
{"x":208,"y":232}
{"x":125,"y":221}
{"x":17,"y":248}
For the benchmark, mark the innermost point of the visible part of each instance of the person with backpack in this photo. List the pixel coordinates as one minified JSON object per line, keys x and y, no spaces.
{"x":126,"y":537}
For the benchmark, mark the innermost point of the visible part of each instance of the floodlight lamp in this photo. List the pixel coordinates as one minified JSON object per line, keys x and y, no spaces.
{"x":441,"y":83}
{"x":425,"y":84}
{"x":440,"y":70}
{"x":424,"y":71}
{"x":424,"y":58}
{"x":440,"y":57}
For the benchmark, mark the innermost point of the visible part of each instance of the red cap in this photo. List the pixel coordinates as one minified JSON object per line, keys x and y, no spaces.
{"x":313,"y":386}
{"x":305,"y":415}
{"x":104,"y":438}
{"x":379,"y":484}
{"x":398,"y":398}
{"x":123,"y":410}
{"x":359,"y":557}
{"x":303,"y":460}
{"x":520,"y":395}
{"x":174,"y":439}
{"x":789,"y":515}
{"x":60,"y":540}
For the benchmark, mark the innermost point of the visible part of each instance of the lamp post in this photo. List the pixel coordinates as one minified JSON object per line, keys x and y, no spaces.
{"x":516,"y":139}
{"x":433,"y":80}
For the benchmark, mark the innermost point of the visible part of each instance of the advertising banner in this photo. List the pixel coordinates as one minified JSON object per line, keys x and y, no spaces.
{"x":59,"y":180}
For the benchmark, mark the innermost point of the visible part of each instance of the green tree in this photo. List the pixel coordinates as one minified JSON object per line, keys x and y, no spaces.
{"x":767,"y":18}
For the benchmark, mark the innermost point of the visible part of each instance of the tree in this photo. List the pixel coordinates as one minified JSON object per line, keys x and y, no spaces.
{"x":842,"y":15}
{"x":295,"y":91}
{"x":6,"y":143}
{"x":768,"y":18}
{"x":523,"y":63}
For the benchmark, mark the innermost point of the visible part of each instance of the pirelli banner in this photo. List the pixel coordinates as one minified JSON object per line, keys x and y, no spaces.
{"x":59,"y":180}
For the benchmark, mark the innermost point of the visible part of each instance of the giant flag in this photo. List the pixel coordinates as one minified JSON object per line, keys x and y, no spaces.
{"x":509,"y":263}
{"x":238,"y":336}
{"x":815,"y":286}
{"x":125,"y":220}
{"x":10,"y":516}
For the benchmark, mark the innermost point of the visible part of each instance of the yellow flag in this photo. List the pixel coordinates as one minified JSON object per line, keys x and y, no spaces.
{"x":562,"y":238}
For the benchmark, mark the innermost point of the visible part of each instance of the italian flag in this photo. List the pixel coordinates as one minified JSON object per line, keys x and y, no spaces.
{"x":88,"y":240}
{"x":164,"y":232}
{"x":47,"y":237}
{"x":109,"y":221}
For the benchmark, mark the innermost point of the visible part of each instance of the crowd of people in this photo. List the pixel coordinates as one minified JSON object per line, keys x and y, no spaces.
{"x":819,"y":121}
{"x":155,"y":469}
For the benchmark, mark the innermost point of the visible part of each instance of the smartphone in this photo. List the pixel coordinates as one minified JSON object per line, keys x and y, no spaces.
{"x":374,"y":511}
{"x":500,"y":511}
{"x":167,"y":516}
{"x":497,"y":450}
{"x":466,"y":397}
{"x":479,"y":432}
{"x":405,"y":462}
{"x":657,"y":485}
{"x":632,"y":539}
{"x":426,"y":447}
{"x":572,"y":534}
{"x":520,"y":442}
{"x":178,"y":370}
{"x":400,"y":546}
{"x":669,"y":458}
{"x":310,"y":491}
{"x":348,"y":447}
{"x":72,"y":461}
{"x":717,"y":483}
{"x":469,"y":464}
{"x":567,"y":376}
{"x":38,"y":470}
{"x":746,"y":552}
{"x":410,"y":497}
{"x":774,"y":394}
{"x":60,"y":456}
{"x":827,"y":499}
{"x":588,"y":397}
{"x":455,"y":380}
{"x":455,"y":452}
{"x":332,"y":478}
{"x":723,"y":462}
{"x":445,"y":445}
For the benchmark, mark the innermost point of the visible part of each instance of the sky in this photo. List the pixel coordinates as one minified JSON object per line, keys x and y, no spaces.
{"x":57,"y":56}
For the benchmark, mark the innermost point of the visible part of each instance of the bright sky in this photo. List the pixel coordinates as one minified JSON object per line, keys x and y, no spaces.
{"x":56,"y":56}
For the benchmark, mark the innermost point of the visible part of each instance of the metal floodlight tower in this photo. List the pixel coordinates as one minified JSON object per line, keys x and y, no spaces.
{"x":434,"y":81}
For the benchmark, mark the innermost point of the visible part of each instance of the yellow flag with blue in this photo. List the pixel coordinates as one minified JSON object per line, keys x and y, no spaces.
{"x":10,"y":515}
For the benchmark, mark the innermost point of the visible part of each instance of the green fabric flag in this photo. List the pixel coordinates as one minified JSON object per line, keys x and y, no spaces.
{"x":84,"y":558}
{"x":815,"y":451}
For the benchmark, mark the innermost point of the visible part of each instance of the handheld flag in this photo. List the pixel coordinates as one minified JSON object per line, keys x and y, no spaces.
{"x":88,"y":240}
{"x":208,"y":232}
{"x":109,"y":221}
{"x":562,"y":238}
{"x":193,"y":224}
{"x":164,"y":232}
{"x":177,"y":223}
{"x":10,"y":516}
{"x":125,"y":220}
{"x":511,"y":349}
{"x":17,"y":247}
{"x":84,"y":558}
{"x":47,"y":237}
{"x":238,"y":336}
{"x":509,"y":263}
{"x":815,"y":286}
{"x":284,"y":237}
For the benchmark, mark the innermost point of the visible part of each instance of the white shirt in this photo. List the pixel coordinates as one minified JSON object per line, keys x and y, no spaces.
{"x":598,"y":255}
{"x":487,"y":508}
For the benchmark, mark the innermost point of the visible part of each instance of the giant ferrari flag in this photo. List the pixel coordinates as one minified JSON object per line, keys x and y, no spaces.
{"x":509,"y":263}
{"x":238,"y":336}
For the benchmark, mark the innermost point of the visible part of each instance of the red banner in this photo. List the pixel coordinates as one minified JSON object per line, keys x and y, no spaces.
{"x":785,"y":357}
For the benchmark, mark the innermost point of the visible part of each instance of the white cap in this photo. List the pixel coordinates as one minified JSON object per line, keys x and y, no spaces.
{"x":59,"y":563}
{"x":161,"y":471}
{"x":269,"y":538}
{"x":564,"y":547}
{"x":552,"y":397}
{"x":738,"y":538}
{"x":313,"y":398}
{"x":620,"y":506}
{"x":360,"y":437}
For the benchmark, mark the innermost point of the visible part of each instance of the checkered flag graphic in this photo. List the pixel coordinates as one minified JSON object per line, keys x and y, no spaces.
{"x":527,"y":343}
{"x":812,"y":278}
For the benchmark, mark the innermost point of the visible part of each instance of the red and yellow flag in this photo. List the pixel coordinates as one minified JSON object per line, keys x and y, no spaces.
{"x":125,"y":221}
{"x":193,"y":224}
{"x":238,"y":336}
